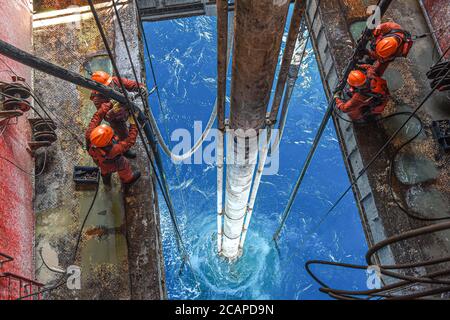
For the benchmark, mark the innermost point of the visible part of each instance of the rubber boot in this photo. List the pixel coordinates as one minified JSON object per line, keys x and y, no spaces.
{"x":136,"y":176}
{"x":130,"y":154}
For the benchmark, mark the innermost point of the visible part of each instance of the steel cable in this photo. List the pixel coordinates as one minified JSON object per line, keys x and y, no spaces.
{"x":406,"y":281}
{"x":164,"y":187}
{"x":46,"y":110}
{"x":284,"y":110}
{"x":143,"y":100}
{"x":406,"y":235}
{"x":162,"y":143}
{"x":362,"y":42}
{"x":374,"y":158}
{"x":41,"y":171}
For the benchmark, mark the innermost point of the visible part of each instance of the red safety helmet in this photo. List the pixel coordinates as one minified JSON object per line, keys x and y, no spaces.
{"x":101,"y":136}
{"x":102,"y":77}
{"x":356,"y":78}
{"x":387,"y":47}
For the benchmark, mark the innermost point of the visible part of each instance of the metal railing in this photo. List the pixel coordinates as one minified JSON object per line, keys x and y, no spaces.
{"x":14,"y":286}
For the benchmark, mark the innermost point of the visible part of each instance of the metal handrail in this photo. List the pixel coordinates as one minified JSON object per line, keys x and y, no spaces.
{"x":23,"y":284}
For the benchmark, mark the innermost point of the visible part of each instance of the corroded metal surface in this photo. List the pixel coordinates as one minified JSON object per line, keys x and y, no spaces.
{"x":438,"y":12}
{"x":222,"y":35}
{"x":120,"y":252}
{"x":145,"y":256}
{"x":406,"y":94}
{"x":16,"y":187}
{"x":47,"y":5}
{"x":102,"y":254}
{"x":153,"y":10}
{"x":258,"y":32}
{"x":294,"y":29}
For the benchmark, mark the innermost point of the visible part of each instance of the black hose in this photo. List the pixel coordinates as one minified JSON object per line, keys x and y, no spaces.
{"x":384,"y":269}
{"x":63,"y":278}
{"x":429,"y":278}
{"x":43,"y":107}
{"x":146,"y":105}
{"x":344,"y":294}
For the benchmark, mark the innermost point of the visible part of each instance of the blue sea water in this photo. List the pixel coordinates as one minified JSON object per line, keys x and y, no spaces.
{"x":184,"y":58}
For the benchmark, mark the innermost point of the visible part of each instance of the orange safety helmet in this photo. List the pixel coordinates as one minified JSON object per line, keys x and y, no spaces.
{"x":387,"y":47}
{"x":356,"y":78}
{"x":102,"y":77}
{"x":101,"y":136}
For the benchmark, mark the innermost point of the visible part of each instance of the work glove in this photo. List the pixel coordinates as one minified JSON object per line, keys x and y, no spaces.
{"x":376,"y":32}
{"x":116,"y":107}
{"x":131,"y":119}
{"x":338,"y":95}
{"x":359,"y":55}
{"x":143,"y":91}
{"x":117,"y":113}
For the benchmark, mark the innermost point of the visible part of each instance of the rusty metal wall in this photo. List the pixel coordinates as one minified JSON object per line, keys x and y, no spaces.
{"x":68,"y":40}
{"x":16,"y":187}
{"x":120,"y":254}
{"x":334,"y":35}
{"x":45,"y":5}
{"x":438,"y":12}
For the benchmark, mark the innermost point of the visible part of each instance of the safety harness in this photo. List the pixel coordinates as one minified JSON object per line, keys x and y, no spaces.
{"x":376,"y":91}
{"x":404,"y":37}
{"x":100,"y":155}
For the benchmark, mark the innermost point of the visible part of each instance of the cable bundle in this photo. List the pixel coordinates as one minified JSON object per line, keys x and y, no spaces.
{"x":437,"y":76}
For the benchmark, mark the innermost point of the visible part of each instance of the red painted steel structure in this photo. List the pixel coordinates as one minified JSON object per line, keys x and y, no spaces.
{"x":13,"y":286}
{"x":439,"y":13}
{"x":16,"y":187}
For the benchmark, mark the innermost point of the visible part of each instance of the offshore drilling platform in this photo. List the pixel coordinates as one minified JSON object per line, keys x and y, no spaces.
{"x":67,"y":65}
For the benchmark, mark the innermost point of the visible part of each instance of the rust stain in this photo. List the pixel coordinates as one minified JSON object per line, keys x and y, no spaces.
{"x":46,"y":5}
{"x":102,"y":231}
{"x":16,"y":188}
{"x":439,"y":12}
{"x":355,"y":10}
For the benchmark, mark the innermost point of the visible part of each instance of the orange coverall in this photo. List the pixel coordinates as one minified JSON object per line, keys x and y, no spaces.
{"x":362,"y":101}
{"x":380,"y":32}
{"x":110,"y":158}
{"x":117,"y":120}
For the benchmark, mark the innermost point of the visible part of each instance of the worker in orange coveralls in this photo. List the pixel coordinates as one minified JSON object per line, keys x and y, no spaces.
{"x":368,"y":94}
{"x":107,"y":150}
{"x":118,"y":115}
{"x":390,"y":41}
